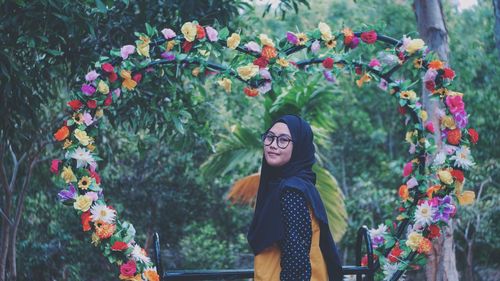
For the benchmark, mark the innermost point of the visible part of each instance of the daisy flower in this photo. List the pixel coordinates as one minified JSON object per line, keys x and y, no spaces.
{"x":424,"y":214}
{"x":463,"y":158}
{"x":82,"y":157}
{"x":139,"y":254}
{"x":377,"y":234}
{"x":101,"y":212}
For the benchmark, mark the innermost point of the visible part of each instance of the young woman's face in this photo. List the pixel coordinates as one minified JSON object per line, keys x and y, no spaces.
{"x":278,"y":136}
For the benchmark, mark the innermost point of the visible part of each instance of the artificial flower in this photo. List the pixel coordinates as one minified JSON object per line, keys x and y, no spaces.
{"x":325,"y":30}
{"x":91,"y":104}
{"x":82,"y":203}
{"x":251,"y":92}
{"x":315,"y":46}
{"x":126,"y":51}
{"x":424,"y":214}
{"x":266,"y":87}
{"x":104,"y":230}
{"x":107,"y":67}
{"x":302,"y":38}
{"x":328,"y":63}
{"x":84,"y":182}
{"x":82,"y":157}
{"x":454,"y":103}
{"x":233,"y":41}
{"x":54,"y":166}
{"x":292,"y":38}
{"x":67,"y":174}
{"x":425,"y":246}
{"x":168,"y":33}
{"x":374,"y":63}
{"x":412,"y":182}
{"x":432,"y":190}
{"x":423,"y":115}
{"x":168,"y":56}
{"x":67,"y":195}
{"x":170,"y":45}
{"x":101,"y":212}
{"x":436,"y":64}
{"x":212,"y":34}
{"x":62,"y":133}
{"x":474,"y":136}
{"x":331,"y":43}
{"x":151,"y":275}
{"x":429,"y":126}
{"x":403,"y":192}
{"x":75,"y":104}
{"x":143,"y":46}
{"x":95,"y":239}
{"x":369,"y":37}
{"x":461,"y":119}
{"x":463,"y":158}
{"x":408,"y":95}
{"x":377,"y":234}
{"x":364,"y":79}
{"x":466,"y":198}
{"x":103,"y":87}
{"x":119,"y":246}
{"x":128,"y":82}
{"x":348,"y":36}
{"x":449,"y":73}
{"x":189,"y":30}
{"x":329,"y":76}
{"x":395,"y":253}
{"x":448,"y":122}
{"x":434,"y":231}
{"x":282,"y":62}
{"x":454,"y":136}
{"x":415,"y":45}
{"x":413,"y":240}
{"x":139,"y":254}
{"x":128,"y":269}
{"x":408,"y":169}
{"x":82,"y":137}
{"x":248,"y":71}
{"x":226,"y":84}
{"x":269,"y":52}
{"x":91,"y":76}
{"x":418,"y":63}
{"x":253,"y":47}
{"x":266,"y":41}
{"x":445,"y":176}
{"x":85,"y":218}
{"x":200,"y":32}
{"x":88,"y":89}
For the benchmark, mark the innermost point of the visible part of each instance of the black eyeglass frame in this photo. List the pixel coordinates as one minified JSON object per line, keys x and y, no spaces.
{"x":265,"y":135}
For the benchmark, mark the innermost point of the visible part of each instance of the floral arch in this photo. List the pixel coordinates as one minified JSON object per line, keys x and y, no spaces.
{"x":430,"y":185}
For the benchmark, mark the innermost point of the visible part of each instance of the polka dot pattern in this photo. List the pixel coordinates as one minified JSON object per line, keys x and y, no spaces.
{"x":296,"y":243}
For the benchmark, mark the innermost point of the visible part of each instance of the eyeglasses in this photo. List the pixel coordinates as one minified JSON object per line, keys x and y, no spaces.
{"x":282,"y":141}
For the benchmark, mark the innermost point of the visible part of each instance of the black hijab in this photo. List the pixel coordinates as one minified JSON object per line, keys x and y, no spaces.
{"x":267,"y":225}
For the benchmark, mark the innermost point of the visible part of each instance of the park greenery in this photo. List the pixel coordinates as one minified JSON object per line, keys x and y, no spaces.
{"x":159,"y":151}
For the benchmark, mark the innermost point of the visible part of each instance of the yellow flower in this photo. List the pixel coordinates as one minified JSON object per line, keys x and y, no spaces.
{"x":466,"y":198}
{"x":195,"y":71}
{"x":226,"y":84}
{"x":364,"y":79}
{"x":143,"y":46}
{"x":414,"y":240}
{"x":99,"y":113}
{"x":248,"y":71}
{"x":67,"y":174}
{"x":445,"y":176}
{"x":84,"y":182}
{"x":189,"y":30}
{"x":331,"y":43}
{"x":127,"y":80}
{"x":452,"y":93}
{"x":409,"y":136}
{"x":409,"y":95}
{"x":137,"y":277}
{"x":78,"y":118}
{"x":326,"y":32}
{"x":103,"y":87}
{"x":82,"y":203}
{"x":283,"y":62}
{"x":448,"y":122}
{"x":95,"y":239}
{"x":204,"y":53}
{"x":266,"y":41}
{"x":170,"y":45}
{"x":417,"y":63}
{"x":151,"y":275}
{"x":67,"y":143}
{"x":233,"y":41}
{"x":415,"y":45}
{"x":91,"y":147}
{"x":82,"y":137}
{"x":302,"y":37}
{"x":423,"y":115}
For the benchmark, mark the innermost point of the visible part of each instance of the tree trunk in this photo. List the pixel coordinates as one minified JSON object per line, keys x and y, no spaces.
{"x":496,"y":6}
{"x":432,"y":29}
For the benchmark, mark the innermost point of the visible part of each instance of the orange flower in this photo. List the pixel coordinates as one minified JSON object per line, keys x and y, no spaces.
{"x":251,"y":92}
{"x":269,"y":52}
{"x":86,"y":220}
{"x":425,"y":246}
{"x":151,"y":275}
{"x":104,"y":230}
{"x":433,"y":189}
{"x":62,"y":133}
{"x":454,"y":136}
{"x":128,"y":82}
{"x":436,"y":64}
{"x":403,"y":192}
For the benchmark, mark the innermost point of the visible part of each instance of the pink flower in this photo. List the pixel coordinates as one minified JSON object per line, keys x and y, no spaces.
{"x":127,"y":50}
{"x":88,"y":89}
{"x":128,"y":269}
{"x":430,"y":127}
{"x":374,"y":63}
{"x":455,"y":104}
{"x":87,"y":118}
{"x":117,"y":92}
{"x":407,"y":169}
{"x":212,"y":34}
{"x":265,"y":88}
{"x":412,"y":182}
{"x":93,"y":195}
{"x":253,"y":47}
{"x":315,"y":46}
{"x":168,"y":33}
{"x":91,"y":76}
{"x":430,"y":75}
{"x":383,"y":84}
{"x":264,"y":73}
{"x":292,"y":38}
{"x":54,"y":166}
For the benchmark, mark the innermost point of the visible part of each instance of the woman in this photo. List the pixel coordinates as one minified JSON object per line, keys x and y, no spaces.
{"x":289,"y":234}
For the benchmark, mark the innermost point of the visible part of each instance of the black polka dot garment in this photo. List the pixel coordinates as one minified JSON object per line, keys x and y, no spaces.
{"x":296,"y":243}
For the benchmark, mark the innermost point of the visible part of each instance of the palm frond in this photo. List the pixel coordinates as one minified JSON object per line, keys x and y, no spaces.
{"x":244,"y":191}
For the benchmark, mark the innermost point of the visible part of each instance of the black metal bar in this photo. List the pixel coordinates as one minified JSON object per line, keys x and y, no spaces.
{"x":229,"y":274}
{"x":159,"y":266}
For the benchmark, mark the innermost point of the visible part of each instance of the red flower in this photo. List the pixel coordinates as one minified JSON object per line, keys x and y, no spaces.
{"x":348,"y":39}
{"x":200,"y":32}
{"x":434,"y":232}
{"x":430,"y":86}
{"x":402,"y":110}
{"x":119,"y":246}
{"x":369,"y":37}
{"x":107,"y":67}
{"x":62,"y":133}
{"x":454,"y":136}
{"x":395,"y":253}
{"x":75,"y":104}
{"x":186,"y":46}
{"x":108,"y":100}
{"x":86,"y":220}
{"x":430,"y":127}
{"x":128,"y":269}
{"x":328,"y":63}
{"x":96,"y":176}
{"x":251,"y":92}
{"x":268,"y":52}
{"x":54,"y":166}
{"x":364,"y":260}
{"x":137,"y":77}
{"x":474,"y":136}
{"x":112,"y":77}
{"x":401,"y":56}
{"x":358,"y":70}
{"x":458,"y":175}
{"x":261,"y":62}
{"x":449,"y":73}
{"x":92,"y":104}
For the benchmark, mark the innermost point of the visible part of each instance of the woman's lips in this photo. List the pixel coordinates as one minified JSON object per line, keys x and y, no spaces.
{"x":272,"y":154}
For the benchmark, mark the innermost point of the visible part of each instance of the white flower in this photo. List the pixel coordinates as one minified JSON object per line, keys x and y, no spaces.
{"x":440,"y":158}
{"x":462,"y":158}
{"x":101,"y":212}
{"x":389,"y":269}
{"x":139,"y":254}
{"x":380,"y":231}
{"x":83,"y":157}
{"x":424,"y":214}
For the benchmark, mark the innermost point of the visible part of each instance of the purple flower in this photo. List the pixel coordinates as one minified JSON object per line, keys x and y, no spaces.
{"x":430,"y":75}
{"x":354,"y":42}
{"x":264,"y":73}
{"x":65,"y":195}
{"x":168,"y":33}
{"x":117,"y":92}
{"x":253,"y":47}
{"x":265,"y":88}
{"x":127,"y":50}
{"x":383,"y":84}
{"x":91,"y":76}
{"x":377,"y":241}
{"x":88,"y":89}
{"x":412,"y":182}
{"x":315,"y":46}
{"x":212,"y":34}
{"x":292,"y":38}
{"x":87,"y":118}
{"x":461,"y":119}
{"x":329,"y":76}
{"x":169,"y":56}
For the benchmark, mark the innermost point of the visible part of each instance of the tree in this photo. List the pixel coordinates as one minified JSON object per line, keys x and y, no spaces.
{"x":496,"y":6}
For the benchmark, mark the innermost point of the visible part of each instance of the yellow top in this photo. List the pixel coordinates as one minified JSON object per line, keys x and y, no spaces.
{"x":267,"y":263}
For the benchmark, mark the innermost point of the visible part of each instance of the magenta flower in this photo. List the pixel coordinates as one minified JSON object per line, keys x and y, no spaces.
{"x":408,"y":168}
{"x":329,"y":76}
{"x":168,"y":33}
{"x":430,"y":127}
{"x":212,"y":34}
{"x":253,"y":47}
{"x":455,"y":104}
{"x":91,"y":76}
{"x":374,"y":63}
{"x":292,"y":38}
{"x":354,"y":42}
{"x":127,"y":50}
{"x":54,"y":166}
{"x":88,"y":89}
{"x":169,"y":56}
